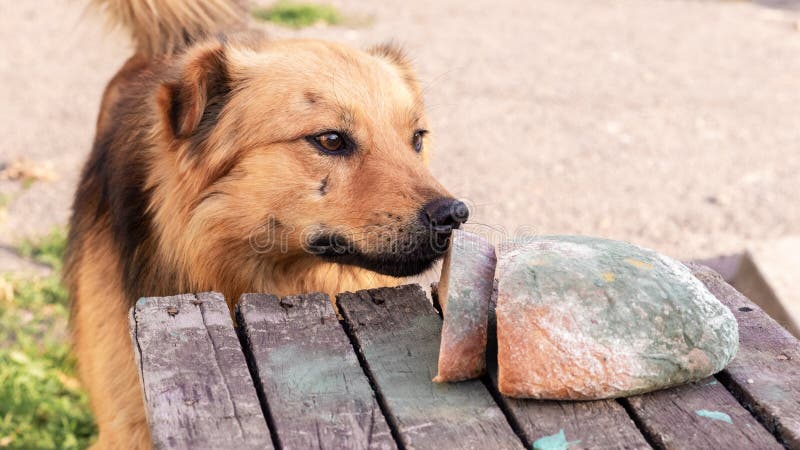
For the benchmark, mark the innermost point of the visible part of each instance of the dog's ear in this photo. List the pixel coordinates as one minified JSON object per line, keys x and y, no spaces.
{"x":395,"y":55}
{"x":193,"y":101}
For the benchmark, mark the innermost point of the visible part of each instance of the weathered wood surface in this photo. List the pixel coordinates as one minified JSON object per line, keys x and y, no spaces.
{"x":318,"y":395}
{"x":701,"y":415}
{"x":602,"y":424}
{"x":199,"y":393}
{"x":197,"y":388}
{"x":765,"y":375}
{"x":397,"y":333}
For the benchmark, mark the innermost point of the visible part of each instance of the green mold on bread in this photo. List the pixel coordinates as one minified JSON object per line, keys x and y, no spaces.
{"x":587,"y":318}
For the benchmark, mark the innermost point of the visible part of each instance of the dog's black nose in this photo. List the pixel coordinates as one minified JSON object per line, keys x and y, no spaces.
{"x":444,"y":214}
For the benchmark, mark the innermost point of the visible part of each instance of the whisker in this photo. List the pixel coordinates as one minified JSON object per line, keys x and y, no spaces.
{"x":491,"y":227}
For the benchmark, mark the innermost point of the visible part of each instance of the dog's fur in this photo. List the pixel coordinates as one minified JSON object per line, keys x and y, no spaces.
{"x":203,"y":177}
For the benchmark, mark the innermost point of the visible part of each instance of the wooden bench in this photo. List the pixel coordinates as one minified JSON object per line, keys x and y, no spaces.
{"x":296,"y":376}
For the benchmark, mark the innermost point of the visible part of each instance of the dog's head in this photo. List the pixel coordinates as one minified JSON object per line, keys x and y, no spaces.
{"x":308,"y":149}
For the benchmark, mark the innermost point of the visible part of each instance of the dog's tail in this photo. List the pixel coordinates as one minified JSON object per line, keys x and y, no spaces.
{"x":161,"y":27}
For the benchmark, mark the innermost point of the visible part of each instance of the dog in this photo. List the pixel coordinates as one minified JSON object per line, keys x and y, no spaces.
{"x":225,"y":161}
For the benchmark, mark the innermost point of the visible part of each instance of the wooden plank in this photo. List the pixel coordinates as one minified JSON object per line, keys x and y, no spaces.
{"x":768,"y":277}
{"x":701,"y":415}
{"x":317,"y":393}
{"x":600,"y":424}
{"x":725,"y":265}
{"x":765,"y":375}
{"x":397,"y":334}
{"x":197,"y":389}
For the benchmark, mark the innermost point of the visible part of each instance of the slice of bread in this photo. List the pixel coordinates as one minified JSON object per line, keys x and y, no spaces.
{"x":464,"y":291}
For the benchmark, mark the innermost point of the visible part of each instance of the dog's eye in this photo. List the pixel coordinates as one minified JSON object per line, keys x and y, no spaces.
{"x":417,"y":141}
{"x":331,"y":142}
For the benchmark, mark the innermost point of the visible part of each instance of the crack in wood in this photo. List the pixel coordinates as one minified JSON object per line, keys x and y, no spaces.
{"x":219,"y":368}
{"x":252,"y":367}
{"x":349,"y":330}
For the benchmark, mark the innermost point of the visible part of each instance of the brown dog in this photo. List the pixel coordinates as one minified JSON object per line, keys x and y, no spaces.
{"x":237,"y":164}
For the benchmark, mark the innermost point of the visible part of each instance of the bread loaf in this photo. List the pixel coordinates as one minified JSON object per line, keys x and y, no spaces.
{"x":586,"y":318}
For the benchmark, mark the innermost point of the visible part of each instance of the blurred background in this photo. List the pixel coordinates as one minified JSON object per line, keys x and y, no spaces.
{"x":671,"y":124}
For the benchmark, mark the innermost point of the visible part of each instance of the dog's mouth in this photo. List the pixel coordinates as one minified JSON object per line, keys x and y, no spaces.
{"x":398,"y":257}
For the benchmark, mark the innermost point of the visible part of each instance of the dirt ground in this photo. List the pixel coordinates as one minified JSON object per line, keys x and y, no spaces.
{"x":673,"y":124}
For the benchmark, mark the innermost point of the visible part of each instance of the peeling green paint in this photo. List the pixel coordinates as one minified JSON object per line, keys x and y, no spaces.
{"x":309,"y":372}
{"x":715,"y":415}
{"x":556,"y":441}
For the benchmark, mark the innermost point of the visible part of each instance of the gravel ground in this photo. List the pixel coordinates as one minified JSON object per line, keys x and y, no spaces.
{"x":672,"y":124}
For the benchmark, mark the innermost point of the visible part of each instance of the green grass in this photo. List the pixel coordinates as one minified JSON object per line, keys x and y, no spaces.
{"x":48,"y":249}
{"x":42,"y":405}
{"x":298,"y":15}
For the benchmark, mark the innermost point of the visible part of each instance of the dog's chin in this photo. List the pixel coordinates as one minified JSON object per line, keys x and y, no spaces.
{"x":401,"y":264}
{"x":385,"y":265}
